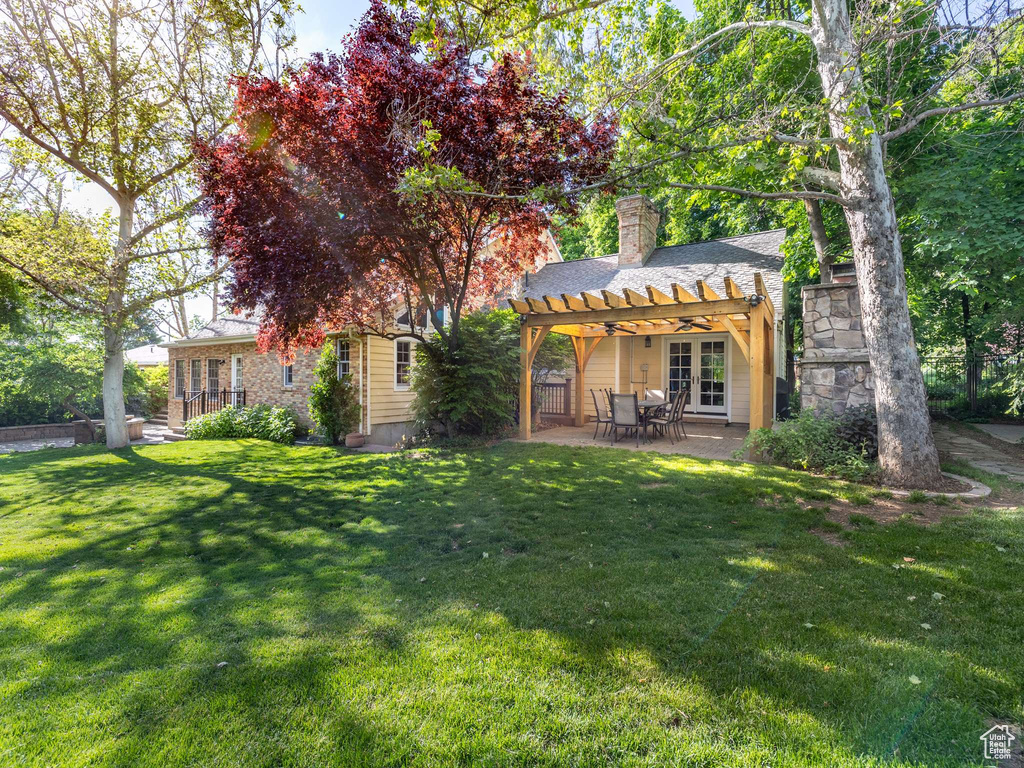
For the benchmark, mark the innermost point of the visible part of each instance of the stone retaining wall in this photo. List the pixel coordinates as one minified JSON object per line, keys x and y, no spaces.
{"x":45,"y":432}
{"x":834,"y":371}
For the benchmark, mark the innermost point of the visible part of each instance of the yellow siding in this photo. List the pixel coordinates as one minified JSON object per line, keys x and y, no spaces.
{"x":388,"y":405}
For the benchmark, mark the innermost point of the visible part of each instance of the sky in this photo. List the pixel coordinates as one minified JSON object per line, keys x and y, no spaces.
{"x":320,"y":27}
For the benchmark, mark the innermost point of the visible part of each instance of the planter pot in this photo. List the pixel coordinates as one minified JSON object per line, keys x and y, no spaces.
{"x":354,"y":440}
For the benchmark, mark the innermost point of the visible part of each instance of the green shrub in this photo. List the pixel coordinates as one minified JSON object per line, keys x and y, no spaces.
{"x":813,"y":443}
{"x":263,"y":422}
{"x":858,"y":426}
{"x":476,"y":390}
{"x":333,"y":404}
{"x":156,"y":381}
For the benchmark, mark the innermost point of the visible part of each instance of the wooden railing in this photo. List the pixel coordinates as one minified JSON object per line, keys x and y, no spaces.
{"x":198,"y":401}
{"x":554,"y":398}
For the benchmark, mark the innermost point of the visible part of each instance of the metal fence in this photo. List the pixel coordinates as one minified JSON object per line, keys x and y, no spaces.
{"x":198,"y":401}
{"x":982,"y":385}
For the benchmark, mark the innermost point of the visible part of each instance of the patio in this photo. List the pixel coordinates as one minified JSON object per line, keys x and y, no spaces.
{"x":705,"y":441}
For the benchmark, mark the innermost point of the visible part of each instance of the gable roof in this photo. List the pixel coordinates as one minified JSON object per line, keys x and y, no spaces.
{"x":147,"y":354}
{"x":711,"y":261}
{"x":226,"y":327}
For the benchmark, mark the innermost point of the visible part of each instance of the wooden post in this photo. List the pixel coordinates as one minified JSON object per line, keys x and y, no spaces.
{"x":760,"y":396}
{"x":579,"y":346}
{"x":567,"y":398}
{"x":525,"y":381}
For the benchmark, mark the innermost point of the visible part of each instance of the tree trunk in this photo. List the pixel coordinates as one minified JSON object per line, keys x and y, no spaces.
{"x":907,"y":452}
{"x":69,"y":403}
{"x":820,"y":239}
{"x":113,"y":337}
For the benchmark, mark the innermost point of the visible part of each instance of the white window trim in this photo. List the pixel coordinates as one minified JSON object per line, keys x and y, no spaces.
{"x":284,"y":376}
{"x":184,"y":377}
{"x":337,"y":351}
{"x":394,"y":367}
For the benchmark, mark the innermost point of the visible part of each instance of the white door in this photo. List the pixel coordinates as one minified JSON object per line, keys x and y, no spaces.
{"x":701,"y":365}
{"x":237,"y":380}
{"x":709,"y":394}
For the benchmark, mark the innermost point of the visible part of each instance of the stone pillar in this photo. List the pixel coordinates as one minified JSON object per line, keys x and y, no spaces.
{"x":834,"y":371}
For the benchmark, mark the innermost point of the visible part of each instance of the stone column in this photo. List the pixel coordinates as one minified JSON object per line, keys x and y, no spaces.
{"x":834,"y":371}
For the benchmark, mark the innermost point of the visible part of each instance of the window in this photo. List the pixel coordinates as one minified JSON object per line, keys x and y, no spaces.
{"x":213,"y":375}
{"x":403,"y":363}
{"x":195,"y":375}
{"x":179,"y":378}
{"x":286,"y":375}
{"x":344,"y":358}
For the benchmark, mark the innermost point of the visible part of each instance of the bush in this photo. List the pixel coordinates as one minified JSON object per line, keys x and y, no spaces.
{"x":476,"y":391}
{"x":263,"y":422}
{"x":156,"y":381}
{"x":858,"y":427}
{"x":333,"y":405}
{"x":812,"y":443}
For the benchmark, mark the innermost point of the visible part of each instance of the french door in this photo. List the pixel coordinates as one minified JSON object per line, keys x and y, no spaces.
{"x":237,"y":380}
{"x":700,"y":364}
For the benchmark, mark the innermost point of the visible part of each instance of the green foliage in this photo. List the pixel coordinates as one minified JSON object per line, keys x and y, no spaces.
{"x":156,"y":381}
{"x":475,"y":391}
{"x":813,"y":443}
{"x":47,"y":378}
{"x":858,"y":426}
{"x":263,"y":422}
{"x":333,"y":404}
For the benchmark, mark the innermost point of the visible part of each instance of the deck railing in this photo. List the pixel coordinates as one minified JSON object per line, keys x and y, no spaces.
{"x":199,"y":401}
{"x":554,"y":398}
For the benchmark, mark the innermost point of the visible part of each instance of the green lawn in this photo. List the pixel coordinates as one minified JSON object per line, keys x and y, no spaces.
{"x":242,"y":603}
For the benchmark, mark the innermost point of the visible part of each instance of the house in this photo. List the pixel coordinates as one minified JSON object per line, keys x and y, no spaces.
{"x":709,"y":315}
{"x":632,"y":342}
{"x":219,"y":365}
{"x":147,"y":356}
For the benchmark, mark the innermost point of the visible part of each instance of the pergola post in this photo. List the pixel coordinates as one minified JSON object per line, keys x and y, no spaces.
{"x":578,"y":346}
{"x":525,"y":381}
{"x":760,"y":367}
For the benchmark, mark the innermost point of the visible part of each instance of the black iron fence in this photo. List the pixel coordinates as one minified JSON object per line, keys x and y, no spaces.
{"x":199,"y":401}
{"x":983,"y":385}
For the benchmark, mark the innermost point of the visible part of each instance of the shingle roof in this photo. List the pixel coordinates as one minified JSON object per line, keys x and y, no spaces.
{"x":149,"y":354}
{"x":227,"y":326}
{"x":711,"y":261}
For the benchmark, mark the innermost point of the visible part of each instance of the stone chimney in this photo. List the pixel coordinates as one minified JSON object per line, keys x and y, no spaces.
{"x":834,"y":372}
{"x":638,"y":229}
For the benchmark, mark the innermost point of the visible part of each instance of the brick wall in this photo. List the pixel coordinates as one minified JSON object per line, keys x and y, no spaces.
{"x":262,"y":376}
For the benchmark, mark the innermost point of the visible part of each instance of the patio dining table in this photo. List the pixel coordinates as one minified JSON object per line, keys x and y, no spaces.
{"x":649,"y":408}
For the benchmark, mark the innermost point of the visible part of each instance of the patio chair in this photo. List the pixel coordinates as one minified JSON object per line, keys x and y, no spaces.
{"x":603,"y":415}
{"x":656,"y":394}
{"x":678,"y":424}
{"x":671,"y":421}
{"x":626,"y":415}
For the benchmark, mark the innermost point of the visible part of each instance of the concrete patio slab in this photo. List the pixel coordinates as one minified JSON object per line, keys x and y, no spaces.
{"x":705,"y":441}
{"x":1011,"y":433}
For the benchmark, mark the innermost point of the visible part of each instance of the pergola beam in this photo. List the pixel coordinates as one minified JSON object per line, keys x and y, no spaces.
{"x":654,"y":312}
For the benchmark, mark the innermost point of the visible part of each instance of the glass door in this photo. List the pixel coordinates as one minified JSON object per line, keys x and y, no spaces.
{"x":237,"y":382}
{"x":680,"y":368}
{"x":710,"y":394}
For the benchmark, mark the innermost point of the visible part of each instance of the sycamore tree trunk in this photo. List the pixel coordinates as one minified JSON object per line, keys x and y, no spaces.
{"x":113,"y":338}
{"x":907,"y":452}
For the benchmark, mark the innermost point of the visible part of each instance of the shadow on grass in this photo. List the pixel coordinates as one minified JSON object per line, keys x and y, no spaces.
{"x":659,"y":604}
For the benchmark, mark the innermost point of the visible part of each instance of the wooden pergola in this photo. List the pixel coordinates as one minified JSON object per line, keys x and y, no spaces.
{"x":588,"y":319}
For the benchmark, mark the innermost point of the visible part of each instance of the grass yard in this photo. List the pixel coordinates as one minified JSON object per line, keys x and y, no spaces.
{"x":243,"y":603}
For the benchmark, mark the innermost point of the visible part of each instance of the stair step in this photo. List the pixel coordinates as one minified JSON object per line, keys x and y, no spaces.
{"x":158,"y":422}
{"x":174,"y":437}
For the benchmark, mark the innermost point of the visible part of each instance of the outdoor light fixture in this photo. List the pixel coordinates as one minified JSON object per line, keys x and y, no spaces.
{"x":754,"y":299}
{"x":647,"y":342}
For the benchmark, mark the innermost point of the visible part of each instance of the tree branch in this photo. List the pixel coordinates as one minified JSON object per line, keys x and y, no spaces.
{"x":794,"y":195}
{"x":919,"y":118}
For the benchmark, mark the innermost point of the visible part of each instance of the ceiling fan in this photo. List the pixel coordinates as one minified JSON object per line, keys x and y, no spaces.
{"x":610,"y":327}
{"x":689,"y":325}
